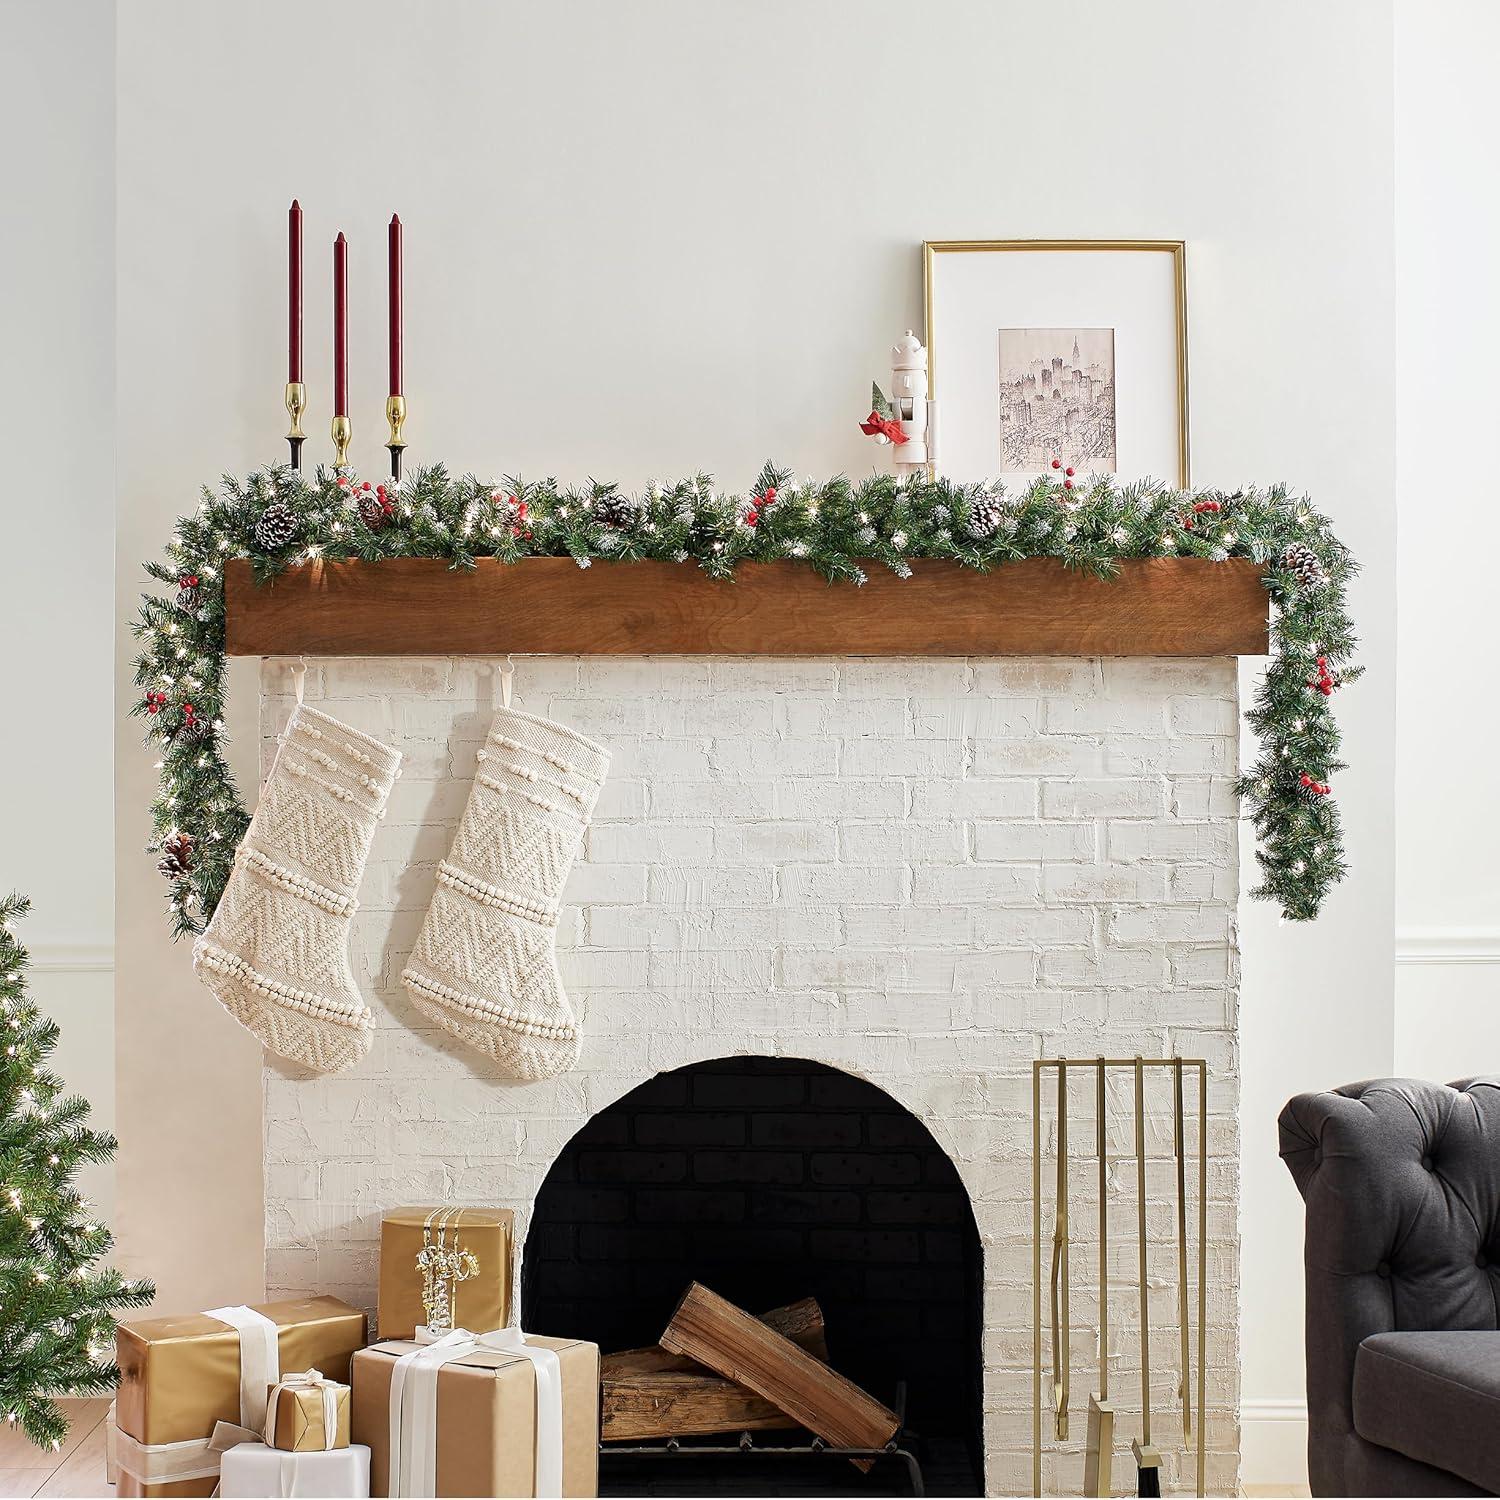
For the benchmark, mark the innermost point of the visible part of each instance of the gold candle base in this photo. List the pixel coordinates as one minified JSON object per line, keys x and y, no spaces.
{"x":343,"y":435}
{"x":395,"y":415}
{"x":296,"y":404}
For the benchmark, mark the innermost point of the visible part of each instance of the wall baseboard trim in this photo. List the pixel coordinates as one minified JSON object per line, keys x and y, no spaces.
{"x":1448,"y":945}
{"x":1273,"y":1444}
{"x":1273,"y":1411}
{"x":71,"y":958}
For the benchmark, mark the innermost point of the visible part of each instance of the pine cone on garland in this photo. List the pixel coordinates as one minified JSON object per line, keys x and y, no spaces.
{"x":985,"y":515}
{"x":1303,"y":563}
{"x":193,"y":731}
{"x":375,"y":508}
{"x":619,"y":511}
{"x":276,"y":527}
{"x":176,"y":856}
{"x":187,"y":592}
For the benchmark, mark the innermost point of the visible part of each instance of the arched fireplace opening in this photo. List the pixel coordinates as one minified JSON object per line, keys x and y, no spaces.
{"x":769,"y":1180}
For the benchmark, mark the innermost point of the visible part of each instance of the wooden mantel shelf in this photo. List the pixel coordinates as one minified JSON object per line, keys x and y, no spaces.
{"x":420,"y":607}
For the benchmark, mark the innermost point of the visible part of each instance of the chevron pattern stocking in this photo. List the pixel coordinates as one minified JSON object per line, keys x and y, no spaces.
{"x":275,"y":953}
{"x":485,"y":965}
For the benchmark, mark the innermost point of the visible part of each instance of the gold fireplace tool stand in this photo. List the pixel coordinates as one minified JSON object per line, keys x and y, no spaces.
{"x":1099,"y":1449}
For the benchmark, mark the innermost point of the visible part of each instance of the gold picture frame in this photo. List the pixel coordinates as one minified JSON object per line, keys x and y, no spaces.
{"x":1176,"y":249}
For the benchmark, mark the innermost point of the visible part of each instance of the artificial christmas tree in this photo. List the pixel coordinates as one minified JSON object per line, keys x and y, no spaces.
{"x":57,"y":1316}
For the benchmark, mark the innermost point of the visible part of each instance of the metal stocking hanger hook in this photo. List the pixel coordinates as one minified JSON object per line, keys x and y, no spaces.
{"x":506,"y":671}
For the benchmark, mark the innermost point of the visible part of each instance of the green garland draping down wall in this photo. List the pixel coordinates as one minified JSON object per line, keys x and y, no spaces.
{"x":277,"y":518}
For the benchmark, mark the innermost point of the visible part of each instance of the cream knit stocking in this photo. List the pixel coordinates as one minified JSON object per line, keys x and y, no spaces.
{"x":485,"y":965}
{"x":275,"y":953}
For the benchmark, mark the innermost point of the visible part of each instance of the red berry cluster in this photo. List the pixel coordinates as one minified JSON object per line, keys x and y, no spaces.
{"x":1057,"y":463}
{"x":758,"y":503}
{"x":188,"y":581}
{"x":155,"y":702}
{"x":376,"y":507}
{"x":1200,"y":508}
{"x":1325,"y":681}
{"x":189,"y":713}
{"x":516,"y":508}
{"x":1317,"y":788}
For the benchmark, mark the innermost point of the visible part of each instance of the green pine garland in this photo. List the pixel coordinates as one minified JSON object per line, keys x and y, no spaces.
{"x":278,"y":518}
{"x":57,"y":1318}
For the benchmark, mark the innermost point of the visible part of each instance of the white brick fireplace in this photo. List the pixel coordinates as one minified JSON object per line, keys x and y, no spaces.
{"x":922,"y":872}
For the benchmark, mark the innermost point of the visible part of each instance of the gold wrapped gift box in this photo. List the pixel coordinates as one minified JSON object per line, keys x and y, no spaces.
{"x":180,"y":1376}
{"x":486,"y":1418}
{"x":480,"y":1302}
{"x":297,"y":1426}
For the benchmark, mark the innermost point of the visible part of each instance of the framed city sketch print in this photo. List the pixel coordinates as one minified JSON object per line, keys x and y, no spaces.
{"x":1073,"y":350}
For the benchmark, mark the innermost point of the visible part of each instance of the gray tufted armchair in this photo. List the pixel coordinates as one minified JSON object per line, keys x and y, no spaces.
{"x":1402,"y":1185}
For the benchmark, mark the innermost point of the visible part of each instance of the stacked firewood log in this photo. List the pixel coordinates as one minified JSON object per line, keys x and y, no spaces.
{"x":717,"y":1369}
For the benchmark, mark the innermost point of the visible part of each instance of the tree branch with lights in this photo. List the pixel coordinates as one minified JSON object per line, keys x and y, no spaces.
{"x":57,"y":1313}
{"x":277,"y":518}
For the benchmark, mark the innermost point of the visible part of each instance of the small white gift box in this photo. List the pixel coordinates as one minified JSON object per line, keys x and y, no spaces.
{"x":252,"y":1471}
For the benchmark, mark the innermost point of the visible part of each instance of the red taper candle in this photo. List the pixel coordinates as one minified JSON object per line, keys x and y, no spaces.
{"x":294,"y":293}
{"x":393,"y":242}
{"x":341,"y":326}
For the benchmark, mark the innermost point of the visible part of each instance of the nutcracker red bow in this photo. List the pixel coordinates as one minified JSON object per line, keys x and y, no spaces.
{"x":877,"y":426}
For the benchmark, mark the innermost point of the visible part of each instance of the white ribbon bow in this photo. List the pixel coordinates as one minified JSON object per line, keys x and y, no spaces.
{"x":413,"y":1410}
{"x":308,"y":1380}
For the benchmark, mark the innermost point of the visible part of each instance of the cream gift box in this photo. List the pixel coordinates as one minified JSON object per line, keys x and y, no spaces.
{"x":253,"y":1471}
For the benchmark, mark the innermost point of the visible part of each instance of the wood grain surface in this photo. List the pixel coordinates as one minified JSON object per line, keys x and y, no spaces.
{"x":801,"y":1322}
{"x":741,"y":1348}
{"x":548,"y":605}
{"x":650,"y":1393}
{"x":680,"y":1403}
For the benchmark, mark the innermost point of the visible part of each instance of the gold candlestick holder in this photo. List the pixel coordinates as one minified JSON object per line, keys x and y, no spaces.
{"x":395,"y":415}
{"x":296,"y":404}
{"x":343,"y":435}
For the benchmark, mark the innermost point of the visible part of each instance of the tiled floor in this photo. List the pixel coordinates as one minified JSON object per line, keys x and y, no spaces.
{"x":77,"y":1468}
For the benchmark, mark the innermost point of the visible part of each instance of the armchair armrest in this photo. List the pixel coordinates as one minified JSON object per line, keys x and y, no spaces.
{"x":1402,"y":1185}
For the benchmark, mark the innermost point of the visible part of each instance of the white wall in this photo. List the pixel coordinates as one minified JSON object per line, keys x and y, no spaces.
{"x":643,"y":239}
{"x":57,"y":330}
{"x":1448,"y":331}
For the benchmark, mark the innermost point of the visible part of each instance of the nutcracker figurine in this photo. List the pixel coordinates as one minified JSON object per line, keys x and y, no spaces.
{"x":908,"y":421}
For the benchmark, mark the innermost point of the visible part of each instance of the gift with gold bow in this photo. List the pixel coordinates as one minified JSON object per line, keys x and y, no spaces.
{"x":442,"y":1268}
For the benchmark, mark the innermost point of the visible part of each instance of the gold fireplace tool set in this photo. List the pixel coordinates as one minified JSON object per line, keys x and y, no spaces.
{"x":1099,"y":1450}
